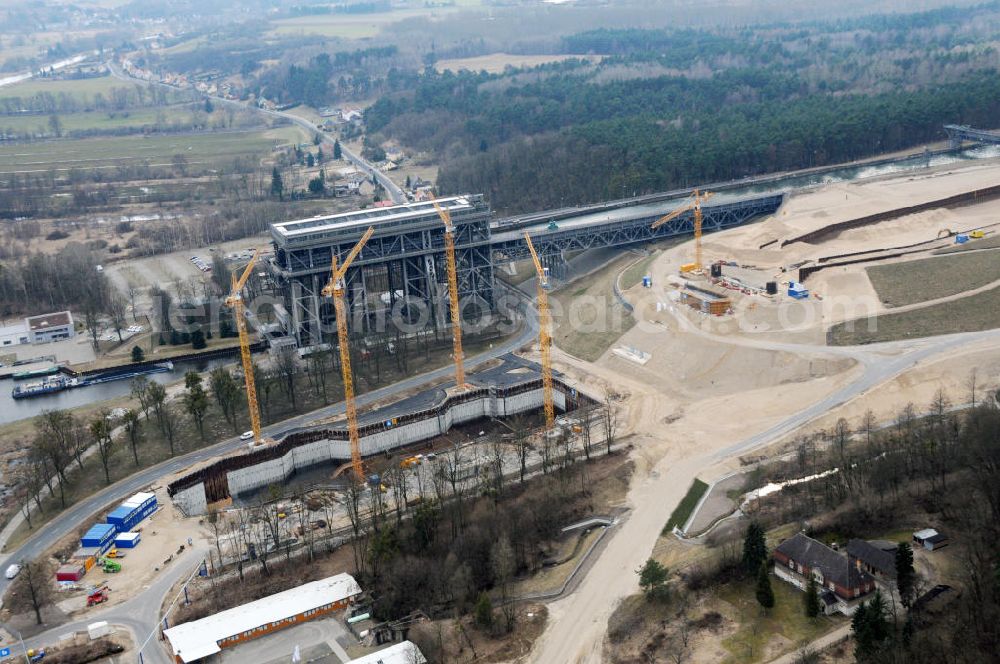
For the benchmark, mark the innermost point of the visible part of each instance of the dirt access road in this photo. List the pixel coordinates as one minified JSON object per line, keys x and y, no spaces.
{"x":577,"y":624}
{"x":712,"y":392}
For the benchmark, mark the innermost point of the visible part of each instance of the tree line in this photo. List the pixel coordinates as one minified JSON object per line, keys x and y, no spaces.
{"x":672,"y":108}
{"x":118,"y":98}
{"x":937,"y":462}
{"x":608,"y":159}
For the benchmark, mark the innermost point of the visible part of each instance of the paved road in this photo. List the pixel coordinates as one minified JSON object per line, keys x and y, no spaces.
{"x":578,"y":623}
{"x":394,"y":191}
{"x":65,"y":522}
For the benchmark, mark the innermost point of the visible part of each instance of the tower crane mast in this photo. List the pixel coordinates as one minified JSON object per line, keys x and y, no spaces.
{"x":544,"y":334}
{"x":235,"y":301}
{"x":693,"y":203}
{"x":335,"y":288}
{"x":456,"y":314}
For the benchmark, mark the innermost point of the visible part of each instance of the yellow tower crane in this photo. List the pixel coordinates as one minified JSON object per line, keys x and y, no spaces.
{"x":544,"y":334}
{"x":456,"y":314}
{"x":335,"y":288}
{"x":693,"y":203}
{"x":235,"y":301}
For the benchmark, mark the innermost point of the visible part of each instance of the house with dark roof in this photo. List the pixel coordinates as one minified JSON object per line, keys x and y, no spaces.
{"x":843,"y":584}
{"x":876,"y":557}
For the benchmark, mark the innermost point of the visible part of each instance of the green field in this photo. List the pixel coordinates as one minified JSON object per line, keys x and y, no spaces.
{"x":636,"y":272}
{"x":967,"y":314}
{"x":758,"y":628}
{"x":899,"y":284}
{"x":84,"y":88}
{"x":683,"y":510}
{"x":205,"y":149}
{"x":90,"y":120}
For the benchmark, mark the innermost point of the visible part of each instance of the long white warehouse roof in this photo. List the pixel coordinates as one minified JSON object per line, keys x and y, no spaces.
{"x":404,"y":652}
{"x":197,"y":639}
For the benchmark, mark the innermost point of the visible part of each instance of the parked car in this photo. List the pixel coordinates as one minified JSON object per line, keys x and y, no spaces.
{"x":13,"y":571}
{"x":246,"y":435}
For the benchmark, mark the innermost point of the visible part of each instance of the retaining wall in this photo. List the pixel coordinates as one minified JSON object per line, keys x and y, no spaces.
{"x":259,"y":469}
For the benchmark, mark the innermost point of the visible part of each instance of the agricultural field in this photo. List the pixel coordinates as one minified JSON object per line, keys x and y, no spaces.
{"x":202,"y":149}
{"x":350,"y":26}
{"x":967,"y":314}
{"x":100,"y":121}
{"x":495,"y":63}
{"x":900,"y":284}
{"x":82,"y":89}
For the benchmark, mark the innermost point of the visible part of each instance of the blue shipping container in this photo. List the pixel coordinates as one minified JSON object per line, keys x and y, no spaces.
{"x":119,"y":514}
{"x":136,"y":517}
{"x":100,"y":536}
{"x":127,"y":540}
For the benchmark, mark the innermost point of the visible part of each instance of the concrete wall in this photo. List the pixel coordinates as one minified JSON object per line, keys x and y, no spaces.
{"x":192,"y":500}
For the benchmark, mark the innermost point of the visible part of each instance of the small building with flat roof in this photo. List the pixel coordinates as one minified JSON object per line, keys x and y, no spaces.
{"x":50,"y":327}
{"x":14,"y":335}
{"x":404,"y":652}
{"x":929,"y":539}
{"x":198,"y":639}
{"x":706,"y":300}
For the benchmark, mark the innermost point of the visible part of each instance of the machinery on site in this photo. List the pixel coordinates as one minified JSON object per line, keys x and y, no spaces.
{"x":97,"y":596}
{"x":335,"y":288}
{"x":544,"y":334}
{"x":456,"y":312}
{"x":235,"y":301}
{"x":694,"y":203}
{"x":110,"y":566}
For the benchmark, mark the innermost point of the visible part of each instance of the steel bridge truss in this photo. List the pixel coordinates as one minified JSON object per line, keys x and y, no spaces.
{"x":401,"y":277}
{"x":510,"y":246}
{"x":958,"y":134}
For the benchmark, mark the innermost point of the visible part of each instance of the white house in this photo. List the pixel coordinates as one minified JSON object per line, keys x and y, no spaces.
{"x":50,"y":327}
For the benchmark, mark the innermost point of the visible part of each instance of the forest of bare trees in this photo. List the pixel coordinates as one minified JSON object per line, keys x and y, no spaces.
{"x":933,"y":465}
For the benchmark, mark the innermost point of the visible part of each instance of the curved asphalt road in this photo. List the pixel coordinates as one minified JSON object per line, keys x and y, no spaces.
{"x":394,"y":191}
{"x":54,"y":530}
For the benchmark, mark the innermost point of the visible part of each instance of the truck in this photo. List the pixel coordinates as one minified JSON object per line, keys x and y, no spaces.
{"x":97,"y":596}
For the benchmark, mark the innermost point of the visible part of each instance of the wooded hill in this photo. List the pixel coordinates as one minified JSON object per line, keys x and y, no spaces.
{"x":676,"y":108}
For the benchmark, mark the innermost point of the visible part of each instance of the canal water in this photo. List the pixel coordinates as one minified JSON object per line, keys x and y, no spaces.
{"x":864,"y":172}
{"x":12,"y":409}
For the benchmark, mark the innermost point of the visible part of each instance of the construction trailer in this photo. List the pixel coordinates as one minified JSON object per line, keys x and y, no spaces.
{"x":86,"y":556}
{"x":200,"y":639}
{"x":127,"y":540}
{"x":706,"y":300}
{"x":797,"y":290}
{"x":127,"y":515}
{"x":100,"y":537}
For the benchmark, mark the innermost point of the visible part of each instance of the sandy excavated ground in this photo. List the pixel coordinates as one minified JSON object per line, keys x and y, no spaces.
{"x":713,"y":382}
{"x":162,"y":535}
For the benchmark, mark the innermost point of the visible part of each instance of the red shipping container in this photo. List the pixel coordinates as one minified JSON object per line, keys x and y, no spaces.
{"x":73,"y":572}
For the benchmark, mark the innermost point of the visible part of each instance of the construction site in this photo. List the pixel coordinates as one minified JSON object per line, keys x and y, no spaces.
{"x":768,"y":315}
{"x":741,"y":319}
